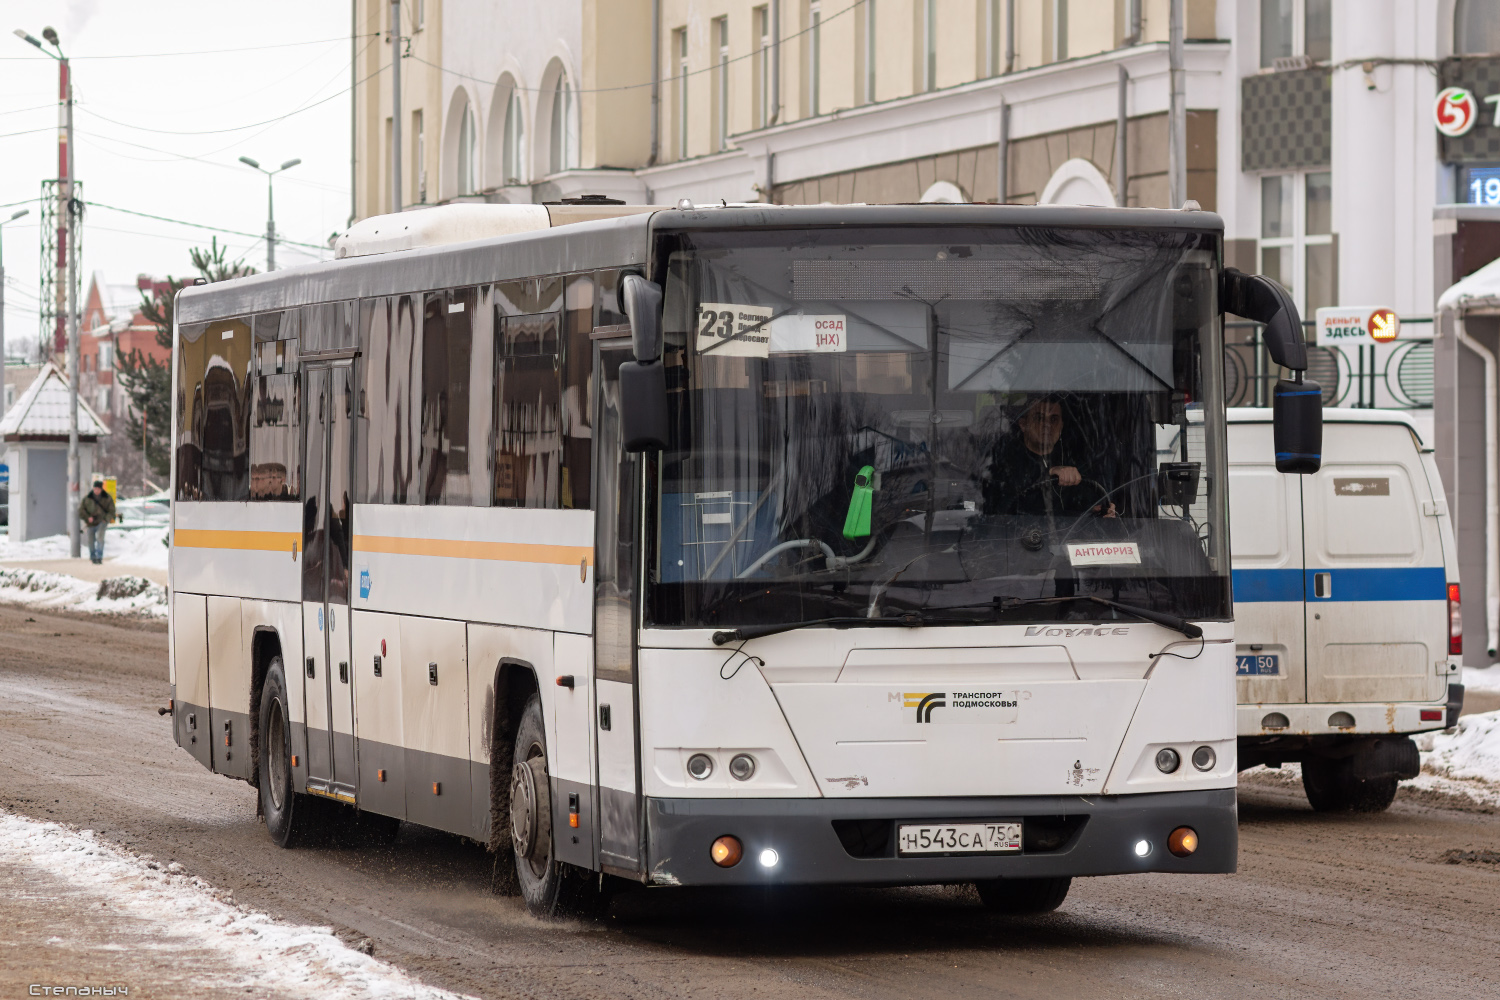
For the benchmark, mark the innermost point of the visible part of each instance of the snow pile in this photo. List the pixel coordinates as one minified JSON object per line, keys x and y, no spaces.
{"x":122,"y":595}
{"x":257,"y":954}
{"x":126,"y":546}
{"x":1487,"y":679}
{"x":1465,"y":760}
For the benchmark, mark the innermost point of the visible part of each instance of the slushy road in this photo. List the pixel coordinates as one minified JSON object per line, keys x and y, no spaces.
{"x":1356,"y":906}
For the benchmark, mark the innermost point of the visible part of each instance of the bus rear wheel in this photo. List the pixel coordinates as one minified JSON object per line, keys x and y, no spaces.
{"x":1020,"y":897}
{"x":290,"y":818}
{"x":1331,"y":786}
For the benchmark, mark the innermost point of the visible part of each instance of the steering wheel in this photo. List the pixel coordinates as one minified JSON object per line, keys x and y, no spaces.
{"x":1052,"y":481}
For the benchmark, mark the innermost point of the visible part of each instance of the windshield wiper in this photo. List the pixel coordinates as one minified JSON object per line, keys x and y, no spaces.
{"x":1176,"y":624}
{"x":907,"y":619}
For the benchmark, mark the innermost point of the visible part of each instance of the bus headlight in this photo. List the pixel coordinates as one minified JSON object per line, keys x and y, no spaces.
{"x":769,"y":858}
{"x":700,"y":766}
{"x":1183,"y":841}
{"x":742,"y":767}
{"x":1204,"y":758}
{"x":1167,"y":760}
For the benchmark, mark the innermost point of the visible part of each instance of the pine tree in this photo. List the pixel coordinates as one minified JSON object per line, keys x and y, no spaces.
{"x":146,"y":381}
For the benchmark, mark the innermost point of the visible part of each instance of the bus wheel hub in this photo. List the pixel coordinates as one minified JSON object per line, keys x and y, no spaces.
{"x":530,"y":809}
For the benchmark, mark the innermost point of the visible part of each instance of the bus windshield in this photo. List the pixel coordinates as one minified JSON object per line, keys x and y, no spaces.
{"x":871,"y":422}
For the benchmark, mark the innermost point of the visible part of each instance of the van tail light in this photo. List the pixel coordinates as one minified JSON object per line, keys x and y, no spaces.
{"x":1455,"y":623}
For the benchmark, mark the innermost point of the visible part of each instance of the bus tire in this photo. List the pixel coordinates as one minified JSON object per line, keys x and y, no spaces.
{"x":549,"y":887}
{"x":290,"y":818}
{"x":1019,"y":897}
{"x":1331,"y":786}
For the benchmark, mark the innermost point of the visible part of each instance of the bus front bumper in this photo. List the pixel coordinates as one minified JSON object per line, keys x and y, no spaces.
{"x":853,"y":841}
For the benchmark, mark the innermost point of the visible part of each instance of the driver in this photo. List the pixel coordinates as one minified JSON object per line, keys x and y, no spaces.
{"x":1033,"y":472}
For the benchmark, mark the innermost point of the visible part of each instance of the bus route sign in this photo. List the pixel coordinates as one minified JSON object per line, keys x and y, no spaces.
{"x":1343,"y":326}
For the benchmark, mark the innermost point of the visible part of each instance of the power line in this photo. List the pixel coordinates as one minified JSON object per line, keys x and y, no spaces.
{"x":185,"y":156}
{"x":199,"y":225}
{"x":219,"y":131}
{"x":200,"y":52}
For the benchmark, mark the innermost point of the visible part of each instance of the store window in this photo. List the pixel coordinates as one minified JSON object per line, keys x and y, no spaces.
{"x":1476,"y":28}
{"x":1296,"y":237}
{"x":1291,"y":28}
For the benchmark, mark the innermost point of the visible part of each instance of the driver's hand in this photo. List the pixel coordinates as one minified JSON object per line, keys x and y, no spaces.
{"x":1066,"y":475}
{"x":1102,"y":511}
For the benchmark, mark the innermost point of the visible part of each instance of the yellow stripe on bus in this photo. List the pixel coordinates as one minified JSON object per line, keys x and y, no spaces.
{"x":259,"y":541}
{"x":447,"y":548}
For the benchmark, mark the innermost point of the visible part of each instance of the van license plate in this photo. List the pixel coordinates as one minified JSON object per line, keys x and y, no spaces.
{"x":1258,"y":665}
{"x":959,"y":838}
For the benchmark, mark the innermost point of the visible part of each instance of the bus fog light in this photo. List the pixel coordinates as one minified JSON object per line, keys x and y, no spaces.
{"x":1183,"y":841}
{"x":1142,"y":848}
{"x":1167,"y":760}
{"x":1204,"y":758}
{"x":726,"y":852}
{"x":742,"y":766}
{"x":700,"y":766}
{"x":769,"y":858}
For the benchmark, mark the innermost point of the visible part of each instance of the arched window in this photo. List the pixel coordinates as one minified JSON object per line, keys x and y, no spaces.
{"x":564,"y":152}
{"x":513,"y":159}
{"x":468,"y":153}
{"x":1476,"y":27}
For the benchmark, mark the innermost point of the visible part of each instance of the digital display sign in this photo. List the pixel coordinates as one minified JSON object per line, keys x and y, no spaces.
{"x":1480,"y":185}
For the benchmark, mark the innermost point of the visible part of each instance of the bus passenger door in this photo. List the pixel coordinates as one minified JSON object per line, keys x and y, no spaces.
{"x":616,"y":493}
{"x":326,"y":527}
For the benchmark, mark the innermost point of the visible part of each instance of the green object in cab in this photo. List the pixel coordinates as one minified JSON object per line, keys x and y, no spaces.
{"x":857,"y":521}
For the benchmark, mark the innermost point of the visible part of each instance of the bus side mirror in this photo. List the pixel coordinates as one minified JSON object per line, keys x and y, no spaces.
{"x":643,"y":382}
{"x":640,"y":300}
{"x":1261,"y":300}
{"x":1297,"y":415}
{"x":643,"y":405}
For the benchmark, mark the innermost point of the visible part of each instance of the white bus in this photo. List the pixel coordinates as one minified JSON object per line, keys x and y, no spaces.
{"x":735,"y":546}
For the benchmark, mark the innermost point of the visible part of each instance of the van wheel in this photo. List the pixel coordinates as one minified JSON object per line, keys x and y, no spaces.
{"x":1332,"y":787}
{"x":290,"y":818}
{"x":549,"y":887}
{"x":1019,"y":897}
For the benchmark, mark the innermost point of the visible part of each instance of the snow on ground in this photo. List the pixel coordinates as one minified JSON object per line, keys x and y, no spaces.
{"x":1465,"y":760}
{"x":253,"y":952}
{"x":1487,"y":679}
{"x":121,"y":595}
{"x":126,"y":546}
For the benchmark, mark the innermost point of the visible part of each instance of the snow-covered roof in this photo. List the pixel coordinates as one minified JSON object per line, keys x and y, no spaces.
{"x":42,"y":410}
{"x":1479,"y":292}
{"x":119,"y":300}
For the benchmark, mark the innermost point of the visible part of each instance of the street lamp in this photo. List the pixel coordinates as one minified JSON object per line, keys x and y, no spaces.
{"x":3,"y":224}
{"x":270,"y":206}
{"x":67,"y":238}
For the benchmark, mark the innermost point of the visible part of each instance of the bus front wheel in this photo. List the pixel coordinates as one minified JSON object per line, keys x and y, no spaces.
{"x":1023,"y":896}
{"x":548,"y":886}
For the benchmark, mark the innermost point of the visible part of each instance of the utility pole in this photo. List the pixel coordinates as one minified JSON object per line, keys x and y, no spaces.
{"x":270,"y":206}
{"x":1176,"y":110}
{"x":395,"y":105}
{"x":13,"y":218}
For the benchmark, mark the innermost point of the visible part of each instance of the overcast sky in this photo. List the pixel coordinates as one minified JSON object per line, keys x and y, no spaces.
{"x":144,"y":70}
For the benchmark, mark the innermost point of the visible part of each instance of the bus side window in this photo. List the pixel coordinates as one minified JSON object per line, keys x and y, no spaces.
{"x":447,"y":344}
{"x":608,"y":311}
{"x":386,"y":448}
{"x":192,"y":361}
{"x":527,"y":435}
{"x":579,"y":300}
{"x":222,"y":417}
{"x":274,"y":461}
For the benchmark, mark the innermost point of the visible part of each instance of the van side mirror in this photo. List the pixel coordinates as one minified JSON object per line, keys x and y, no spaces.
{"x":1297,"y":426}
{"x":643,"y":382}
{"x":1261,"y":300}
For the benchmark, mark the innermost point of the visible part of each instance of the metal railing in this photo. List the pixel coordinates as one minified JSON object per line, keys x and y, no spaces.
{"x":1390,"y":376}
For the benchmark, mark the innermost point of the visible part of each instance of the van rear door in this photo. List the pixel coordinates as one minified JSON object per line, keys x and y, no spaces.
{"x":1265,"y":534}
{"x":1377,"y":595}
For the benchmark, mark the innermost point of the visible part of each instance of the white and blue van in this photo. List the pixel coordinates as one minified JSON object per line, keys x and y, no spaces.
{"x":1346,"y":603}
